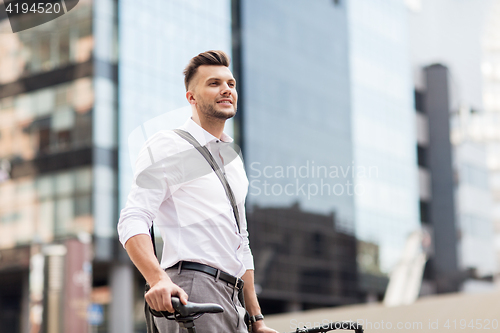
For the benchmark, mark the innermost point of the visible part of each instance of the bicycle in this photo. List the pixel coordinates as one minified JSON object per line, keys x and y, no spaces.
{"x":185,"y":315}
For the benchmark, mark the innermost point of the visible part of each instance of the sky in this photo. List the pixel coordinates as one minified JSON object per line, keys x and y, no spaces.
{"x":450,"y":32}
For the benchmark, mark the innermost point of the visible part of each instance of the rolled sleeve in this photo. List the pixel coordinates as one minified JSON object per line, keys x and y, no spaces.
{"x":133,"y":222}
{"x":247,"y":259}
{"x":149,"y":189}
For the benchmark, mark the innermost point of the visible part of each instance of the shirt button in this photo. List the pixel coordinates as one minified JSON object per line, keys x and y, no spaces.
{"x":217,"y":141}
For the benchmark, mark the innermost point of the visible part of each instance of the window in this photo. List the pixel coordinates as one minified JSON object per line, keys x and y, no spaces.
{"x":422,"y":156}
{"x":83,"y":205}
{"x":44,"y":140}
{"x":318,"y":245}
{"x":425,"y":212}
{"x":419,"y":101}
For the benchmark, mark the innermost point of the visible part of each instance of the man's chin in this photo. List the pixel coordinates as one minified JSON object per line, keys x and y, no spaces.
{"x":216,"y":112}
{"x":225,"y":114}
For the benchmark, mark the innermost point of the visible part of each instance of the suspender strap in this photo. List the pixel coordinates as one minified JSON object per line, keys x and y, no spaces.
{"x":210,"y":159}
{"x":152,"y":233}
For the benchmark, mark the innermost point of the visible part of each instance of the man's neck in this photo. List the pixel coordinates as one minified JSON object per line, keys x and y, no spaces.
{"x":212,"y":126}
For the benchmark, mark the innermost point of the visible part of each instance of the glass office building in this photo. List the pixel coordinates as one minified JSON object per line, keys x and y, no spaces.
{"x":472,"y":97}
{"x":157,"y":40}
{"x":60,"y":91}
{"x":328,"y":128}
{"x":297,"y":145}
{"x":296,"y":107}
{"x":383,"y":125}
{"x":52,"y":168}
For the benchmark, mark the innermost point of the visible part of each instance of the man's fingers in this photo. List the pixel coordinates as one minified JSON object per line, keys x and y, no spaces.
{"x":151,"y":300}
{"x":167,"y":303}
{"x":159,"y":297}
{"x":182,"y":295}
{"x":159,"y":301}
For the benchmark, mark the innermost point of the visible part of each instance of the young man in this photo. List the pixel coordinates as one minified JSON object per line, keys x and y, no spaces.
{"x":206,"y":252}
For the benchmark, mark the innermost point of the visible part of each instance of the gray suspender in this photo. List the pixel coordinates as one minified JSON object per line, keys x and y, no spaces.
{"x":210,"y":159}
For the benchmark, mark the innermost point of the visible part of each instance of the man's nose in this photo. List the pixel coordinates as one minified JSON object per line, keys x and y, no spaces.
{"x":226,"y":90}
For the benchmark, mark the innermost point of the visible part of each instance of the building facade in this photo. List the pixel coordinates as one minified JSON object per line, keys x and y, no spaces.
{"x":328,"y":123}
{"x":455,"y":197}
{"x":465,"y":56}
{"x":383,"y":125}
{"x":58,"y":192}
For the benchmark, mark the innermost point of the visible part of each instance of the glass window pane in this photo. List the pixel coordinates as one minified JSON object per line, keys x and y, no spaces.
{"x":45,"y":187}
{"x":62,"y":94}
{"x":64,"y":214}
{"x":23,"y":106}
{"x":83,"y":180}
{"x":44,"y":54}
{"x":64,"y":48}
{"x":63,"y":119}
{"x":46,"y":219}
{"x":82,"y":94}
{"x":43,"y":101}
{"x":64,"y":184}
{"x":83,"y":205}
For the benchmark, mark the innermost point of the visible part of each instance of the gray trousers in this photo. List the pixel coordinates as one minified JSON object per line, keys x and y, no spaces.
{"x":202,"y":288}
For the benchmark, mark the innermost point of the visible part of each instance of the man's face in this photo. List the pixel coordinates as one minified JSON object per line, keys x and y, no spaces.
{"x":214,"y":91}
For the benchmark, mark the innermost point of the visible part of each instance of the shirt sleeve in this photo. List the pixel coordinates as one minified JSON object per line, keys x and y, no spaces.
{"x":247,"y":252}
{"x":149,"y":188}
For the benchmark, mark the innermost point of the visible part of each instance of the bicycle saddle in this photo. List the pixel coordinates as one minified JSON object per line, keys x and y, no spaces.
{"x":193,"y":309}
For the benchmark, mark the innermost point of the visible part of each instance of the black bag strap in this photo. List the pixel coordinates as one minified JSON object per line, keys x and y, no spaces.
{"x":210,"y":159}
{"x":152,"y":233}
{"x":150,"y":323}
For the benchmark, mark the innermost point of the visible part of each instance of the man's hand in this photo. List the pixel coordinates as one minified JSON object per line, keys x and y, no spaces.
{"x":159,"y":296}
{"x":140,"y":250}
{"x":260,"y":327}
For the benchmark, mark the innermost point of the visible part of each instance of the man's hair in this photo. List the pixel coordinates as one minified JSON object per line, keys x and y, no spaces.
{"x":211,"y":58}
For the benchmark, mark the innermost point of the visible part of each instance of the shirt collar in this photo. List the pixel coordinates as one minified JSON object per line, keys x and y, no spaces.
{"x":201,"y":135}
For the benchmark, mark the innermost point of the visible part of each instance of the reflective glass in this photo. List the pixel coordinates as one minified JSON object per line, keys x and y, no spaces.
{"x":156,"y":42}
{"x":68,"y":39}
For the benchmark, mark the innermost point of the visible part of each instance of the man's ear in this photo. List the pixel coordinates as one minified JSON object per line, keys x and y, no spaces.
{"x":190,"y":97}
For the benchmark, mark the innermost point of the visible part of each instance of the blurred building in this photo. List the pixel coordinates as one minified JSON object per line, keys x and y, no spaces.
{"x":295,"y":131}
{"x":464,"y":84}
{"x":303,"y":261}
{"x":455,"y":198}
{"x":383,"y":125}
{"x":474,"y":196}
{"x":437,"y":184}
{"x":485,"y":129}
{"x":470,"y":52}
{"x":327,"y":121}
{"x":59,"y":157}
{"x":63,"y":141}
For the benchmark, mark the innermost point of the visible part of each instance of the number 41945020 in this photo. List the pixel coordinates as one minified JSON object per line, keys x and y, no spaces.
{"x":484,"y":324}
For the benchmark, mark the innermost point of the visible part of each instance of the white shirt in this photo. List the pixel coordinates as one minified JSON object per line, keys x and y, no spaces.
{"x":176,"y":187}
